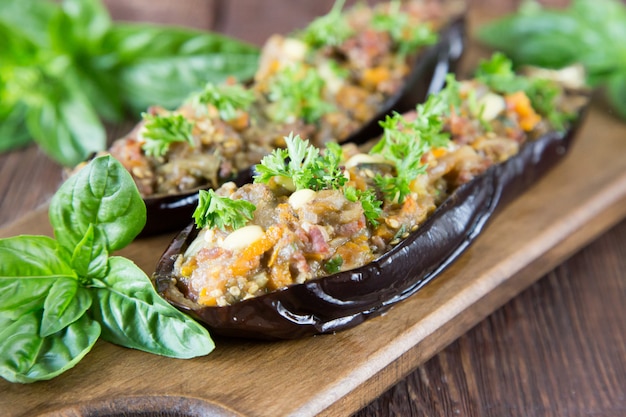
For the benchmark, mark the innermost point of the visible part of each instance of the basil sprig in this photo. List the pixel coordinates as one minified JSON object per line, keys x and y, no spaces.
{"x":65,"y":67}
{"x":59,"y":295}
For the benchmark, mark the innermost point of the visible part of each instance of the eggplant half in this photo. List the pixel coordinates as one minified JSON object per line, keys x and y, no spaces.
{"x":168,"y":212}
{"x":344,"y":299}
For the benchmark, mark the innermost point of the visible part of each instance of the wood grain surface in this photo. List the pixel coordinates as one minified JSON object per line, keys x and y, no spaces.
{"x":558,"y":348}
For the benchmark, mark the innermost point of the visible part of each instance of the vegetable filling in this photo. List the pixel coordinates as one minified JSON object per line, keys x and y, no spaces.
{"x":311,"y":213}
{"x":323,"y":83}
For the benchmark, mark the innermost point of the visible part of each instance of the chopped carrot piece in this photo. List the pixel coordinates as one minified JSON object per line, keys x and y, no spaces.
{"x":187,"y":269}
{"x":439,"y":152}
{"x":250,"y":256}
{"x":241,"y":121}
{"x":280,"y":276}
{"x":205,"y":299}
{"x":372,"y":77}
{"x":520,"y":104}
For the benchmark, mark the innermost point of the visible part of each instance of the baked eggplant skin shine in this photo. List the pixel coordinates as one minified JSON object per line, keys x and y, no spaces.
{"x":166,"y":213}
{"x":345,"y":299}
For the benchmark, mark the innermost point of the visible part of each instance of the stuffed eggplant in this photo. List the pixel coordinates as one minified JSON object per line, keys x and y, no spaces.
{"x":320,"y":241}
{"x":332,"y":81}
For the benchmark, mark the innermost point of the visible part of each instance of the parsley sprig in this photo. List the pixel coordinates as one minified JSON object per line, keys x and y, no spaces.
{"x":226,"y":98}
{"x":160,"y":131}
{"x":297,"y":92}
{"x":404,"y":149}
{"x":328,"y":30}
{"x":404,"y":142}
{"x":498,"y":74}
{"x":372,"y":206}
{"x":309,"y":169}
{"x":303,"y":164}
{"x":217,"y":211}
{"x":406,"y":34}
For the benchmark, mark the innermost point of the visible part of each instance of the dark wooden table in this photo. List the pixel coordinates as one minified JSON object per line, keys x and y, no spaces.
{"x":557,"y":349}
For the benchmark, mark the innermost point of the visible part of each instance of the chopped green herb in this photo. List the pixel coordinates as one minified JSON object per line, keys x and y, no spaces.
{"x":272,"y":165}
{"x":406,"y":34}
{"x":227,"y":99}
{"x":400,"y":233}
{"x":296,"y":92}
{"x":498,"y":74}
{"x":328,"y":30}
{"x":216,"y":211}
{"x":404,"y":149}
{"x":404,"y":142}
{"x":161,"y":131}
{"x":325,"y":172}
{"x":333,"y":265}
{"x":371,"y":205}
{"x":304,"y":165}
{"x":543,"y":94}
{"x":287,"y":163}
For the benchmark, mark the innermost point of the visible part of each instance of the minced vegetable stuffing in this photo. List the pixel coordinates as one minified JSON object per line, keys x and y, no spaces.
{"x":313,"y":212}
{"x":323,"y":83}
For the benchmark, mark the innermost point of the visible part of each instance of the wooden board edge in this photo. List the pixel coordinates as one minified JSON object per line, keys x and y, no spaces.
{"x":599,"y":221}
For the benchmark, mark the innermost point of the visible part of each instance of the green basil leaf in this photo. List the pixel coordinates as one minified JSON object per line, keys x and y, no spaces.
{"x":79,"y":27}
{"x":28,"y":18}
{"x":132,"y":314}
{"x":30,"y":266}
{"x":616,"y":92}
{"x":66,"y":126}
{"x":101,"y":194}
{"x":19,"y":342}
{"x":32,"y":257}
{"x":77,"y":31}
{"x":563,"y":51}
{"x":66,"y":302}
{"x":17,"y":48}
{"x":164,"y":66}
{"x":19,"y":296}
{"x":26,"y":357}
{"x":97,"y":80}
{"x":90,"y":256}
{"x":525,"y":38}
{"x":13,"y":133}
{"x":586,"y":32}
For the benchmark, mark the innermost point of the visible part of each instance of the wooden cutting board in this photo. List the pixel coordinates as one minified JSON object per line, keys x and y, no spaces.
{"x":340,"y":373}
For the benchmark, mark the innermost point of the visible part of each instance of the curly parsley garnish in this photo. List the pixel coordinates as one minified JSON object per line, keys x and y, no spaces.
{"x":296,"y":92}
{"x":497,"y":73}
{"x":303,"y":164}
{"x":309,"y":169}
{"x":328,"y":30}
{"x":333,"y":265}
{"x":404,"y":149}
{"x":226,"y":98}
{"x":216,"y":211}
{"x":404,"y":142}
{"x":160,"y":131}
{"x":406,"y":34}
{"x":372,"y":207}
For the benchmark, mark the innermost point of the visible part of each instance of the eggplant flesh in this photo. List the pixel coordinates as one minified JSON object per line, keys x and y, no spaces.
{"x":345,"y":299}
{"x":166,"y":213}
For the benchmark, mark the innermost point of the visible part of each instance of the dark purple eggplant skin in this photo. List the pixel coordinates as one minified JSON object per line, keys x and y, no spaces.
{"x":343,"y":300}
{"x":172,"y":212}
